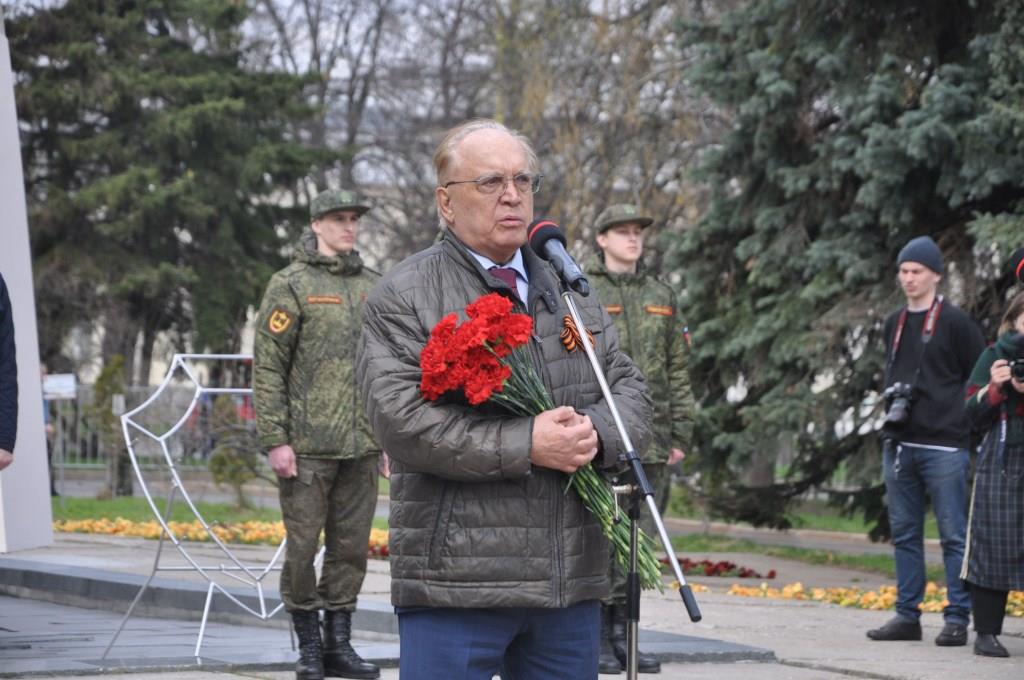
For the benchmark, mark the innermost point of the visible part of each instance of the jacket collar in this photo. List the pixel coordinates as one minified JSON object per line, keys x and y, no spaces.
{"x":348,"y":264}
{"x":543,"y":283}
{"x":595,"y":265}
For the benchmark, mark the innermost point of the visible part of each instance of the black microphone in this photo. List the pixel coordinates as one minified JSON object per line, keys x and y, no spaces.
{"x":547,"y":240}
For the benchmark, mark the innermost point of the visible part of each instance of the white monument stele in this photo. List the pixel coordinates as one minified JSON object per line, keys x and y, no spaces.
{"x":25,"y":517}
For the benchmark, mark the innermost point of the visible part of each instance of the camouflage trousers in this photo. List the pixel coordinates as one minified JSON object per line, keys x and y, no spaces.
{"x":338,"y":498}
{"x":656,"y":474}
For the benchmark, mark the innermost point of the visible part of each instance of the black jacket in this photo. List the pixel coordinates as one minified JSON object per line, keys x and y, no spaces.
{"x":8,"y":374}
{"x":937,"y":414}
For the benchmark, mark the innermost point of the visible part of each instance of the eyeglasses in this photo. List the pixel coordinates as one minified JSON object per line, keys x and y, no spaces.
{"x":525,"y":182}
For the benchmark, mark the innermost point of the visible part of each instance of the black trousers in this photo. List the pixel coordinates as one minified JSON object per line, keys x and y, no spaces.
{"x":989,"y":609}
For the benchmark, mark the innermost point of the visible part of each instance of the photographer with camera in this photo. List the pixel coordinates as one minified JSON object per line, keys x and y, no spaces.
{"x":995,"y":553}
{"x":931,"y":347}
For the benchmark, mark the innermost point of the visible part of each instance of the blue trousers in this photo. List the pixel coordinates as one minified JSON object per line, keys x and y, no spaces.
{"x":911,"y":472}
{"x":518,"y":643}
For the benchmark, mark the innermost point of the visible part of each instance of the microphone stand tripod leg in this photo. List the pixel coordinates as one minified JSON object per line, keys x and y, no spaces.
{"x":633,"y":589}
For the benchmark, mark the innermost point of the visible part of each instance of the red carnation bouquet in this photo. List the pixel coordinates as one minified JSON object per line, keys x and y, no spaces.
{"x":486,"y":357}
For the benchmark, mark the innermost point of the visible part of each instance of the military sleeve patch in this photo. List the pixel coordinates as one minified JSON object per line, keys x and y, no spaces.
{"x":323,"y":299}
{"x":279,"y":321}
{"x":660,"y":310}
{"x":613,"y":309}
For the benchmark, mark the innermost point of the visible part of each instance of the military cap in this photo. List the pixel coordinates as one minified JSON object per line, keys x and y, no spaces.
{"x":621,"y":213}
{"x":336,"y":199}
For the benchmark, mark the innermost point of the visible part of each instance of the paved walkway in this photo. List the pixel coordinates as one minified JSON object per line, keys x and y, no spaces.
{"x":54,"y":633}
{"x":60,"y":607}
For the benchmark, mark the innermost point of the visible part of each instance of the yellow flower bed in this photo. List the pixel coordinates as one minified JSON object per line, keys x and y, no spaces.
{"x":270,"y":533}
{"x":883,"y":598}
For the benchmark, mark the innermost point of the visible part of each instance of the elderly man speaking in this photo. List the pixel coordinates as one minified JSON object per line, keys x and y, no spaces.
{"x":495,"y":567}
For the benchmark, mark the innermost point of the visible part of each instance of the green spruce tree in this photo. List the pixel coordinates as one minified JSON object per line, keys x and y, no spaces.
{"x":154,"y":166}
{"x":856,"y":126}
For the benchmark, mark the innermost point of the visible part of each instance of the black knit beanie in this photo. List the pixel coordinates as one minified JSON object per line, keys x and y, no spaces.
{"x":923,"y":251}
{"x":1017,"y":264}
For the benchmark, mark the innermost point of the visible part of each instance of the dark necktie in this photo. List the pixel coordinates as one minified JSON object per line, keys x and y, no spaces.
{"x":508,"y":276}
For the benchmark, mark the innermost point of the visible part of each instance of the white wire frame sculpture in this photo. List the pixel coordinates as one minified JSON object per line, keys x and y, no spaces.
{"x":233,"y":568}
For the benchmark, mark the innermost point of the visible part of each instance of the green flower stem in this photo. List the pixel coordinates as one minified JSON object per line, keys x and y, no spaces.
{"x":598,"y":498}
{"x":524,"y":394}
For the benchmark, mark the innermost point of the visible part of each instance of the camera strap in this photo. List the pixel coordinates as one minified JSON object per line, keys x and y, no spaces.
{"x":927,"y":332}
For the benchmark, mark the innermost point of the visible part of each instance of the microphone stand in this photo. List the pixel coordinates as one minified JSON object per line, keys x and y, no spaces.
{"x":639,"y":492}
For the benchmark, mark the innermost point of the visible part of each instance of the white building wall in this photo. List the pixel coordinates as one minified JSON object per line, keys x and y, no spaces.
{"x":25,"y":516}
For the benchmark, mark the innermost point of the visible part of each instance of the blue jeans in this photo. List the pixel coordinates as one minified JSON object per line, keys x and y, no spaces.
{"x":910,"y":473}
{"x":520,"y":643}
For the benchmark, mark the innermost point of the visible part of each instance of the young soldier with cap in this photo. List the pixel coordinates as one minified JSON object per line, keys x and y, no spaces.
{"x":651,"y":331}
{"x":310,"y":419}
{"x":931,"y":347}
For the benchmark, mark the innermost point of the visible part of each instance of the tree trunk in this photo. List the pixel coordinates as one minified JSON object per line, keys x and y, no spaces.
{"x":146,"y":362}
{"x":124,"y":485}
{"x":119,"y":337}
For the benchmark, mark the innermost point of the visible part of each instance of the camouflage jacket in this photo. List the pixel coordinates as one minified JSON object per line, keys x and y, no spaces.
{"x":303,"y":376}
{"x":651,"y":331}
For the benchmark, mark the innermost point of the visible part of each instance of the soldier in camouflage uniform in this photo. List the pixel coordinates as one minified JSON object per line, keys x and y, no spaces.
{"x":310,"y":419}
{"x":651,"y":331}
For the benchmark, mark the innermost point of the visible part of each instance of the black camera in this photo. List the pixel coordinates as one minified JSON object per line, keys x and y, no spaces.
{"x":1017,"y":369}
{"x":898,"y":397}
{"x":1016,"y":341}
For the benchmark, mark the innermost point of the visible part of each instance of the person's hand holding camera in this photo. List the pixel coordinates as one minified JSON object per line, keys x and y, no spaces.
{"x":1001,"y":376}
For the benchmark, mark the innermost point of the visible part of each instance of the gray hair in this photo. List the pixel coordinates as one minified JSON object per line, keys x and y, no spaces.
{"x":445,"y":155}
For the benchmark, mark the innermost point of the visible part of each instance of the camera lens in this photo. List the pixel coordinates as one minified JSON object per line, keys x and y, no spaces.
{"x":899,"y":412}
{"x":1017,"y":369}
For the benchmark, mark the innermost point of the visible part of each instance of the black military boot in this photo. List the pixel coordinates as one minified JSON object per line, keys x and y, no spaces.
{"x":340,"y":660}
{"x":607,"y":663}
{"x":645,"y":663}
{"x":310,"y":665}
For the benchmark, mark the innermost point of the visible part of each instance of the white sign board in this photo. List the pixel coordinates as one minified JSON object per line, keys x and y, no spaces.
{"x":59,"y":386}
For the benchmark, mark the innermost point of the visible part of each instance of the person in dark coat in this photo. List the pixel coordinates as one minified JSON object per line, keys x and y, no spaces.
{"x":495,"y":566}
{"x":931,"y":345}
{"x":8,"y":380}
{"x":994,"y":560}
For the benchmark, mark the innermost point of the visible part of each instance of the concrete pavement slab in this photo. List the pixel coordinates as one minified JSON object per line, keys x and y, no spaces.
{"x":669,"y":671}
{"x":40,"y":638}
{"x":117,"y":568}
{"x":828,"y":638}
{"x":809,"y":640}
